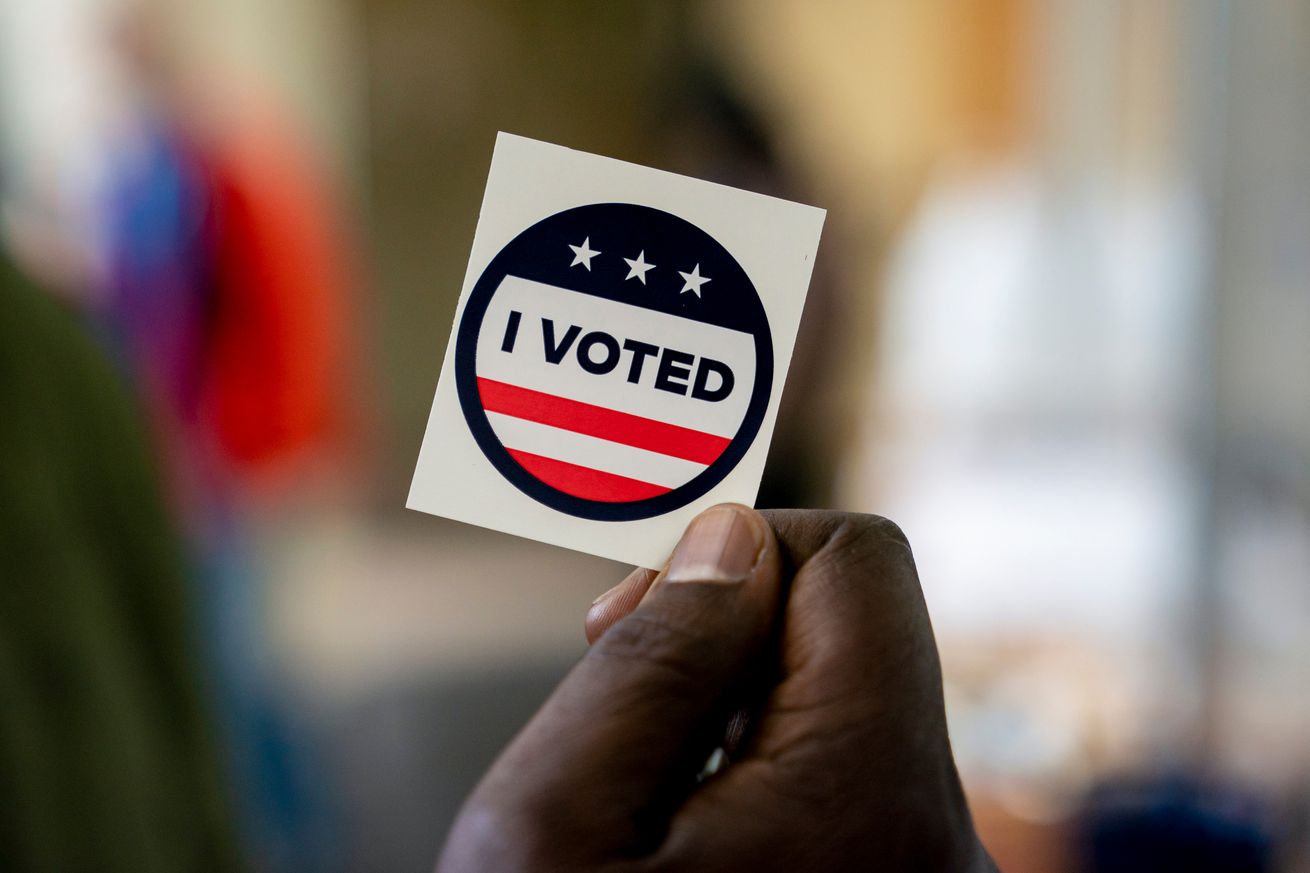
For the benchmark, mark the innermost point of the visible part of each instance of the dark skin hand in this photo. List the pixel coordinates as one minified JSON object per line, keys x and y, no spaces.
{"x":798,"y":641}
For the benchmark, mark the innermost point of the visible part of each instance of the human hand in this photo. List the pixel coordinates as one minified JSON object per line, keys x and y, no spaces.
{"x":799,"y":641}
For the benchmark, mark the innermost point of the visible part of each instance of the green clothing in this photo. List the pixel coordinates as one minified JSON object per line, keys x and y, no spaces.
{"x":106,"y":762}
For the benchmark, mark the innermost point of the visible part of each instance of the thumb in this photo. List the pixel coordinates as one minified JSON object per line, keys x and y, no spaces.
{"x":617,"y":743}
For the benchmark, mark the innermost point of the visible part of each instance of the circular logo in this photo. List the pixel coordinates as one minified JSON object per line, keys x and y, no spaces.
{"x":614,"y":362}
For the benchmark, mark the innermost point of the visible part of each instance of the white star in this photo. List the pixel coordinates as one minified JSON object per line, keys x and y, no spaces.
{"x":638,"y":267}
{"x":693,"y":281}
{"x":583,"y":254}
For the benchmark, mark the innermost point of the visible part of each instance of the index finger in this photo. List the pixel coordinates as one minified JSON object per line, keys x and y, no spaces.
{"x":617,"y":602}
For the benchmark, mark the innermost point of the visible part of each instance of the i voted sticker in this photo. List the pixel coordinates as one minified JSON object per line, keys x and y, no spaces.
{"x":618,"y":354}
{"x":614,"y":361}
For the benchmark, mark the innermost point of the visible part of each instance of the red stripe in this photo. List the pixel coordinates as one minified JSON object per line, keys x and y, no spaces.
{"x":585,"y":482}
{"x":598,"y":421}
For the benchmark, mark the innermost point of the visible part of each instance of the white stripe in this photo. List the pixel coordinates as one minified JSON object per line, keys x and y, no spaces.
{"x":589,"y":451}
{"x":526,"y":366}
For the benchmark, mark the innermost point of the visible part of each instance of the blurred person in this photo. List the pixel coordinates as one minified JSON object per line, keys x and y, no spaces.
{"x":224,"y":298}
{"x":796,"y":645}
{"x":107,"y":753}
{"x":227,"y":275}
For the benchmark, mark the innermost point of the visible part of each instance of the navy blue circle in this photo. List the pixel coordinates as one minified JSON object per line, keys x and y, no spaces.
{"x":618,"y":230}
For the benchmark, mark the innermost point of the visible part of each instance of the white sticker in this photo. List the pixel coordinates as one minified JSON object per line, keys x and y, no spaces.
{"x":619,"y":349}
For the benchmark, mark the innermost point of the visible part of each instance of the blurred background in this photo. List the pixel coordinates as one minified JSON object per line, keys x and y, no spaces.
{"x":1059,"y":331}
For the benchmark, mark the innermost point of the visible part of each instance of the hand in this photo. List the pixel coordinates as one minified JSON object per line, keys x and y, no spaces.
{"x":799,"y":641}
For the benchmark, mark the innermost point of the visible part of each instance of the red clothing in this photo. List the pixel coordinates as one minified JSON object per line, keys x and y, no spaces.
{"x":277,"y":334}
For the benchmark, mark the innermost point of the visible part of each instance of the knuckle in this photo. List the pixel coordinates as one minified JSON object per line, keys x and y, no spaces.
{"x":873,"y":536}
{"x":868,"y":556}
{"x":873,"y":530}
{"x":891,"y":531}
{"x":806,"y":533}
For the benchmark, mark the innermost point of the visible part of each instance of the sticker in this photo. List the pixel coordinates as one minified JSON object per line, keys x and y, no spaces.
{"x":609,"y":387}
{"x":618,"y":352}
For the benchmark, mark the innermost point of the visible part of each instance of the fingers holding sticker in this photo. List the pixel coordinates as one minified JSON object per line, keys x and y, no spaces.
{"x":614,"y":361}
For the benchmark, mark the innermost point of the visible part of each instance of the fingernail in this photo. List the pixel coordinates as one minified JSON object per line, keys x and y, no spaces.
{"x":721,"y":545}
